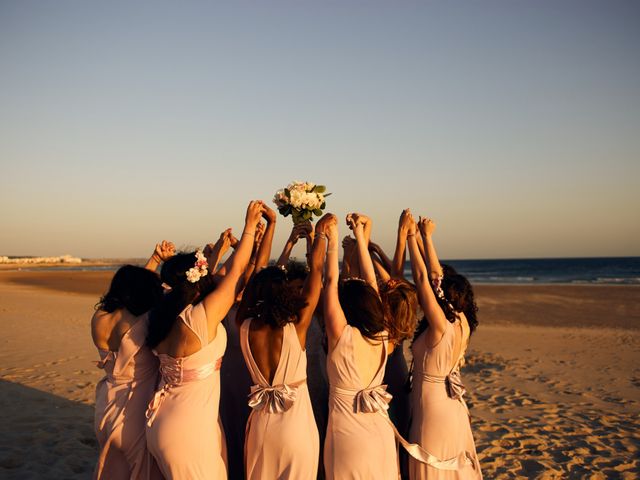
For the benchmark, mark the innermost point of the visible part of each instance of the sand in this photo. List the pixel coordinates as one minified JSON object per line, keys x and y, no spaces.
{"x":552,"y":375}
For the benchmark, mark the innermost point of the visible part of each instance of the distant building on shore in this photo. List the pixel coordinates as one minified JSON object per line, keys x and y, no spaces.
{"x":35,"y":260}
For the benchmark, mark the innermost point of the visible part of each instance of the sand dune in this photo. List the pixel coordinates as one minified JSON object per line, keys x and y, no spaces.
{"x":554,"y":390}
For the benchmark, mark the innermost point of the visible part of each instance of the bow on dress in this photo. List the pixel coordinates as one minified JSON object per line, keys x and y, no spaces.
{"x":455,"y":387}
{"x":371,"y":400}
{"x":273,"y":399}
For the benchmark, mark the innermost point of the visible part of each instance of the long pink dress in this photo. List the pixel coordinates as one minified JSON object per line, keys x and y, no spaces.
{"x":440,"y":423}
{"x":183,"y":429}
{"x":360,"y":442}
{"x":282,"y":437}
{"x":121,"y":400}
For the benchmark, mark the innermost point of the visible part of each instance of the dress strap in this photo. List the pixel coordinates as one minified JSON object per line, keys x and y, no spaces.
{"x":131,"y":343}
{"x":195,"y":317}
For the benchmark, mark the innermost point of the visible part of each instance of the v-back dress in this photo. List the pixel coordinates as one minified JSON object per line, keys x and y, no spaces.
{"x":282,"y":437}
{"x":183,"y":429}
{"x":440,"y":423}
{"x":122,"y":395}
{"x":360,"y":442}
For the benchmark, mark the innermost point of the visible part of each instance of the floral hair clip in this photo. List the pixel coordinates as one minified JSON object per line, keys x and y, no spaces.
{"x":200,"y":269}
{"x":392,"y":283}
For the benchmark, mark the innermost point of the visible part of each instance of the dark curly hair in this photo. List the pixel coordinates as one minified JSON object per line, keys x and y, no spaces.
{"x":134,"y":288}
{"x":459,"y":297}
{"x":270,"y":298}
{"x":363,"y":308}
{"x":183,"y":293}
{"x":297,"y":270}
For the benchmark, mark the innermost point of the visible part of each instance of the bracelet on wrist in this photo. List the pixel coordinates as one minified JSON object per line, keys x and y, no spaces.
{"x":249,"y":233}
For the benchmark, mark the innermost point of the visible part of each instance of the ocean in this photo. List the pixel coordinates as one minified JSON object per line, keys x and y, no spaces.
{"x":574,"y":271}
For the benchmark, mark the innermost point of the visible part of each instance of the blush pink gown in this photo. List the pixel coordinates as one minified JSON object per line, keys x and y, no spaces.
{"x":183,"y":429}
{"x":360,"y":442}
{"x":131,"y":375}
{"x":282,"y":437}
{"x":440,"y":424}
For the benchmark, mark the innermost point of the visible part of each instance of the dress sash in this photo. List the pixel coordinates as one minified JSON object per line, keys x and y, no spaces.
{"x":376,"y":400}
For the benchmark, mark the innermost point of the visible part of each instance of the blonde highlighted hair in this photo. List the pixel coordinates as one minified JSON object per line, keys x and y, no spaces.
{"x":400,"y":302}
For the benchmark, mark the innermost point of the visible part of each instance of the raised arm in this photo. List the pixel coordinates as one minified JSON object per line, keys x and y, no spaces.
{"x":381,"y":272}
{"x":313,"y":284}
{"x":163,"y":252}
{"x":234,"y":245}
{"x":432,"y":311}
{"x":421,"y":247}
{"x":215,"y":252}
{"x":427,"y":227}
{"x":385,"y":261}
{"x":297,"y":232}
{"x":264,"y":251}
{"x":334,"y":318}
{"x":397,"y":270}
{"x":350,"y":266}
{"x":361,"y":226}
{"x":219,"y":301}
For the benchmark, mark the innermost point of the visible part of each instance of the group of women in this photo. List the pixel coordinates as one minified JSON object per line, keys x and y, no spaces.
{"x":162,"y":411}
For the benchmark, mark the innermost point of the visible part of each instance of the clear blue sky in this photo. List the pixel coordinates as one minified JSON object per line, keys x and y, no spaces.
{"x":516,"y":125}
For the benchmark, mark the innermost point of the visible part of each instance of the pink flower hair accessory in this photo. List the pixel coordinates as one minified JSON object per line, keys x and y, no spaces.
{"x":200,"y":268}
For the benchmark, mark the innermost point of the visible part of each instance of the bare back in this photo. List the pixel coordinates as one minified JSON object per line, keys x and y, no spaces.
{"x":181,"y":341}
{"x":108,"y":328}
{"x":265,"y":343}
{"x":368,"y":355}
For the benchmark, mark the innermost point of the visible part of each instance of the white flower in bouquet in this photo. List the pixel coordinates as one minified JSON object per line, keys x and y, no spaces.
{"x":301,"y":200}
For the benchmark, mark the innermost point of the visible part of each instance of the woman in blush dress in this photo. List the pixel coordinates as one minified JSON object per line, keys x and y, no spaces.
{"x":440,"y":423}
{"x":235,"y":380}
{"x":118,"y":329}
{"x":274,"y":317}
{"x":183,"y":429}
{"x":360,"y":441}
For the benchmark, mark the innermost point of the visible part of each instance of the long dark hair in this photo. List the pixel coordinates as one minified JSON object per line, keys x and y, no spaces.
{"x":134,"y":288}
{"x":270,"y":298}
{"x":362,"y":308}
{"x":183,"y":293}
{"x":458,"y":297}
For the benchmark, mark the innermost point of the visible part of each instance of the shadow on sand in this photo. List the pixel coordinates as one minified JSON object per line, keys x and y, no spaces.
{"x":43,"y":436}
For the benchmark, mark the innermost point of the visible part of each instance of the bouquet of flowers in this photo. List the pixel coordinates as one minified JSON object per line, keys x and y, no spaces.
{"x":301,"y":200}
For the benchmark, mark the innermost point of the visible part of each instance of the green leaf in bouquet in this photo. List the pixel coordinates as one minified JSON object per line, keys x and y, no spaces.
{"x":287,"y":193}
{"x":317,"y":212}
{"x":319,"y":189}
{"x":285,"y":210}
{"x":297,"y":217}
{"x":324,"y":204}
{"x":307,"y":215}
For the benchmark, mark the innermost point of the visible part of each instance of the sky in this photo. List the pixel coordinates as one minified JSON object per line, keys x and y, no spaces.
{"x":514,"y":124}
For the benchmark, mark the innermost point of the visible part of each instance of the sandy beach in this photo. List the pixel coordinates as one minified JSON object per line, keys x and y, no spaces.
{"x":552,"y":375}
